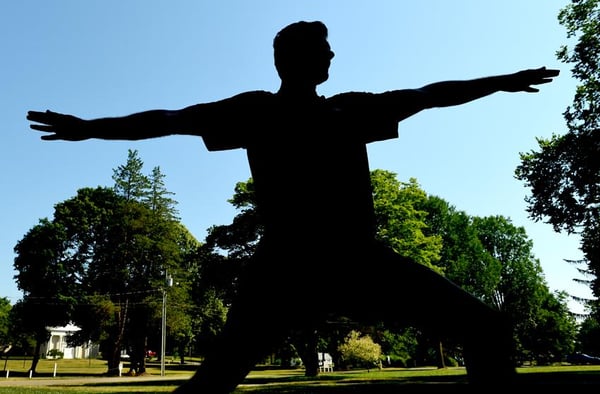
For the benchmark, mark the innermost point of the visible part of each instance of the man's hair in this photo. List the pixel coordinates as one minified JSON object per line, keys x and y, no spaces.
{"x":294,"y":41}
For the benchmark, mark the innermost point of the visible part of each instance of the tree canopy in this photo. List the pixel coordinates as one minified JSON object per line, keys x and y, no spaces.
{"x":563,"y":174}
{"x":101,"y":263}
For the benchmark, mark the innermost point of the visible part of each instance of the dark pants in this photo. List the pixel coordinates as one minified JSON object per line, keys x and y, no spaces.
{"x":285,"y":289}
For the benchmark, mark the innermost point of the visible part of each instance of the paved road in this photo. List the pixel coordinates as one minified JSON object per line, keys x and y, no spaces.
{"x":70,"y":381}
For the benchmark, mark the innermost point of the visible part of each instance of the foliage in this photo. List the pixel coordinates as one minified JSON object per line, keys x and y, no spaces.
{"x":360,"y":351}
{"x":490,"y":257}
{"x":518,"y":272}
{"x":399,"y":347}
{"x":400,"y":222}
{"x":522,"y":293}
{"x":463,"y":256}
{"x":588,"y":338}
{"x":564,"y":173}
{"x":101,"y":263}
{"x":55,"y":353}
{"x":493,"y":259}
{"x":5,"y":308}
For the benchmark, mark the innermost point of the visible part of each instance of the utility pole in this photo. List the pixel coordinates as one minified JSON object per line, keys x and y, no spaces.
{"x":163,"y":342}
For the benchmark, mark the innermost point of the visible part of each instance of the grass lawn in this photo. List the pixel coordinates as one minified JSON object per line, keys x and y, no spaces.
{"x":86,"y":376}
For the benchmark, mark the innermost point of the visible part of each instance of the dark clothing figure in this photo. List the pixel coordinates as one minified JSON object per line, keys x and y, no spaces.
{"x":308,"y":158}
{"x":309,"y":164}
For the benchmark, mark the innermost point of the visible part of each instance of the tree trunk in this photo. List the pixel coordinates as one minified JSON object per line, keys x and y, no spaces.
{"x":36,"y":356}
{"x":113,"y":358}
{"x":441,"y":361}
{"x":116,"y":342}
{"x":306,"y":345}
{"x":138,"y":358}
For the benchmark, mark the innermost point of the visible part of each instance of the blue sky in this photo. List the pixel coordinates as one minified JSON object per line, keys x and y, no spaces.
{"x":112,"y":57}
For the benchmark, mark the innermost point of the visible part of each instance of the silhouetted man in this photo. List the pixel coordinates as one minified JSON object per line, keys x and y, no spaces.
{"x":308,"y":159}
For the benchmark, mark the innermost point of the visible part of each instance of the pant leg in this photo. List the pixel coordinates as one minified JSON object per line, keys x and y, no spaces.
{"x":408,"y":293}
{"x":245,"y":340}
{"x":259,"y":320}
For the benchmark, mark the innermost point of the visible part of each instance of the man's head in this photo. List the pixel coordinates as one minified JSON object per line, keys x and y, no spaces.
{"x":302,"y":53}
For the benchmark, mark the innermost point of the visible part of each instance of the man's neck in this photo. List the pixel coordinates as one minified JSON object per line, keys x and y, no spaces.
{"x":298,"y":92}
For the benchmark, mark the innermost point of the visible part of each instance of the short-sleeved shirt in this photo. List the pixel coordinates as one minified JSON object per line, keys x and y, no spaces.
{"x":308,"y":160}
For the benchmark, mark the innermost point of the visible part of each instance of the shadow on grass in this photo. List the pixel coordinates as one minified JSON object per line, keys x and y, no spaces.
{"x":339,"y":384}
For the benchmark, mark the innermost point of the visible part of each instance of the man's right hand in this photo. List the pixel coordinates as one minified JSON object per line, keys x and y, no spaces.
{"x":59,"y":126}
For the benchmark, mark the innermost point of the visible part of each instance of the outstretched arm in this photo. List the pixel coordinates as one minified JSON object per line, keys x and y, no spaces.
{"x":448,"y":93}
{"x":199,"y":119}
{"x":147,"y":124}
{"x":137,"y":126}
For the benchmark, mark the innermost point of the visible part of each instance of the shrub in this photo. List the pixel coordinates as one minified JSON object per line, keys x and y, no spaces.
{"x":360,"y":351}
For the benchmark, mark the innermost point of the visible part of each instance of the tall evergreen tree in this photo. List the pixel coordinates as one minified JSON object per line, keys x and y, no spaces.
{"x":130,"y":182}
{"x":158,"y":197}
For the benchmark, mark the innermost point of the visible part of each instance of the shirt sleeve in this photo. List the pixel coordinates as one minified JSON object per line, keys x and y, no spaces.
{"x":231,"y":121}
{"x":369,"y":113}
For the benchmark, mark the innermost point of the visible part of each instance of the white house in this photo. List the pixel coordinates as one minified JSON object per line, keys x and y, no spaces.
{"x":58,"y":340}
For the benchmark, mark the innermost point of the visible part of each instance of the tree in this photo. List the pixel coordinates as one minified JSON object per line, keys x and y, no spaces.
{"x":101,"y":263}
{"x":463,"y":257}
{"x":183,"y":313}
{"x":493,"y":259}
{"x":228,"y":247}
{"x":522,"y":293}
{"x":360,"y":350}
{"x":130,"y":182}
{"x":151,"y":237}
{"x":5,"y":307}
{"x":564,"y":173}
{"x":518,"y":272}
{"x":108,"y":237}
{"x":399,"y":347}
{"x":152,"y":240}
{"x":588,"y":337}
{"x":158,"y":196}
{"x":487,"y":256}
{"x":553,"y":332}
{"x":400,"y":222}
{"x":47,"y":273}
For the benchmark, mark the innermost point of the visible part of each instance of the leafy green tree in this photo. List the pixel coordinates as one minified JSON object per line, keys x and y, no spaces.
{"x":492,"y":259}
{"x":397,"y":346}
{"x":20,"y":331}
{"x":151,"y":236}
{"x":154,"y":245}
{"x":564,"y":173}
{"x":360,"y":350}
{"x":400,"y":222}
{"x":518,"y":272}
{"x":228,"y":248}
{"x":553,"y":332}
{"x":588,"y":337}
{"x":103,"y":258}
{"x":183,"y":313}
{"x":46,"y":273}
{"x":463,"y":257}
{"x":487,"y":256}
{"x":522,"y":293}
{"x":107,"y":235}
{"x":5,"y":307}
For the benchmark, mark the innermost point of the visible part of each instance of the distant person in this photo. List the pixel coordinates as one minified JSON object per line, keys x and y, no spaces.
{"x":308,"y":159}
